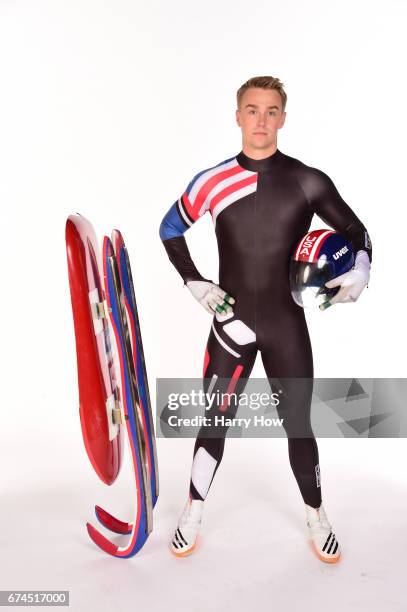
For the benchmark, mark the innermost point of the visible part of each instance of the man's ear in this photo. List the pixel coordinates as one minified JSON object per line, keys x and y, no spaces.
{"x":238,"y":117}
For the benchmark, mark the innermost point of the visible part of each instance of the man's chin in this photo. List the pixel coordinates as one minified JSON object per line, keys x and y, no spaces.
{"x":261,"y":146}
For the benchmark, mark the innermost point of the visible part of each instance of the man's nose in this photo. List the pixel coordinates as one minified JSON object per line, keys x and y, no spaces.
{"x":261,"y":118}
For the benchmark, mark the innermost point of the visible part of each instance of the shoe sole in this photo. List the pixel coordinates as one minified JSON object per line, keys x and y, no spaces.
{"x":325,"y":559}
{"x":186,"y":553}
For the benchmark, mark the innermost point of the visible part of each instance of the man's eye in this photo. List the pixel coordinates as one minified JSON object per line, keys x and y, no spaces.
{"x":272,"y":113}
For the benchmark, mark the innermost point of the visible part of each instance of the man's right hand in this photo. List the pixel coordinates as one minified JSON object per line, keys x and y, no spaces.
{"x":212,"y":297}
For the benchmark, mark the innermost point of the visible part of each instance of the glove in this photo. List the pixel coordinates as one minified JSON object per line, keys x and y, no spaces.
{"x":212,"y":297}
{"x":351,"y":283}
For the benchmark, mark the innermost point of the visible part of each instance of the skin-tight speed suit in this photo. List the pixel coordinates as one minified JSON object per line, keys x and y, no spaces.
{"x":260,"y":209}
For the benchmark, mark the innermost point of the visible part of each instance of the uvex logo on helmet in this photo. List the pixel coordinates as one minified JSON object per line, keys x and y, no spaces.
{"x":339,"y":254}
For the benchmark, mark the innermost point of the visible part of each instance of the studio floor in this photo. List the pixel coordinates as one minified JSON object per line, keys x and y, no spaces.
{"x":253,"y":551}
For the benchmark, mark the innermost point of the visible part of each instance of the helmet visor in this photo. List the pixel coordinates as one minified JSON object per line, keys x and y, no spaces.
{"x":307,"y":282}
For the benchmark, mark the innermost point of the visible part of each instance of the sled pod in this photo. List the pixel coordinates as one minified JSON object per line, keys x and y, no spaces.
{"x":98,"y":390}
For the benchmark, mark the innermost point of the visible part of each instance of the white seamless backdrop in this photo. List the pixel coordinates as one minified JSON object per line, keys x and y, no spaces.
{"x":109,"y":108}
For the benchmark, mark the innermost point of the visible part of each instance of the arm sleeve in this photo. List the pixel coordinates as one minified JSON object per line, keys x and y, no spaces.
{"x":325,"y":201}
{"x":175,"y":223}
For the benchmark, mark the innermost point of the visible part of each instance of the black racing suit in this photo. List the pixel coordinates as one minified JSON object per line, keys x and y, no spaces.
{"x":261,"y":210}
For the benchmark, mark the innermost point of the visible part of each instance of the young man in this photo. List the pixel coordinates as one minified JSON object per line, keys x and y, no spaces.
{"x":262,"y":203}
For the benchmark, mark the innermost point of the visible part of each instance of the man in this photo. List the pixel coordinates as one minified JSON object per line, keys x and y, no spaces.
{"x":262,"y":203}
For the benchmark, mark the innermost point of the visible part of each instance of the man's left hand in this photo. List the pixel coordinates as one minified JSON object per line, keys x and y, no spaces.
{"x":351,"y":283}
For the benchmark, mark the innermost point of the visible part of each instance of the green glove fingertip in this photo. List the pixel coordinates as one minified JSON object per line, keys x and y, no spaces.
{"x":325,"y":305}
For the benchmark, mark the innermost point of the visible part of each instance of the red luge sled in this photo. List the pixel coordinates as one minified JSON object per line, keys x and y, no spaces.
{"x":98,"y":390}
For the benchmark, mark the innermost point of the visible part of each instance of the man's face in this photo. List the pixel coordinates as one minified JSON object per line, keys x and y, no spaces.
{"x":260,"y":116}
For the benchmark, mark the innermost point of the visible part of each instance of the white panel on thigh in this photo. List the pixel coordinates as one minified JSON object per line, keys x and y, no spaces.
{"x":203,"y":468}
{"x":239,"y":332}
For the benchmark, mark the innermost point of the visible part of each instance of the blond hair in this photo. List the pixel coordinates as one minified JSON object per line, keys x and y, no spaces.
{"x":264,"y":82}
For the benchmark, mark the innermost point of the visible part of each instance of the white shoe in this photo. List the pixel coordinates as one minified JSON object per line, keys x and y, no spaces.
{"x":323,"y":540}
{"x":189,"y":524}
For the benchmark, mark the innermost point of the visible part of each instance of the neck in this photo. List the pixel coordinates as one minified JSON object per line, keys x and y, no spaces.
{"x":259,"y":153}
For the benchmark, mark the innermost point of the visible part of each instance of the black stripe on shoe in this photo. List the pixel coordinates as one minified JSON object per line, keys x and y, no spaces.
{"x":336,"y":548}
{"x":331,"y":545}
{"x":175,"y":544}
{"x":177,"y":538}
{"x":182,"y":537}
{"x":327,"y":540}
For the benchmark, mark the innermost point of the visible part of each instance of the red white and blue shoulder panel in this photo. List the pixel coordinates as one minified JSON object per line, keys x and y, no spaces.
{"x":213,"y":189}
